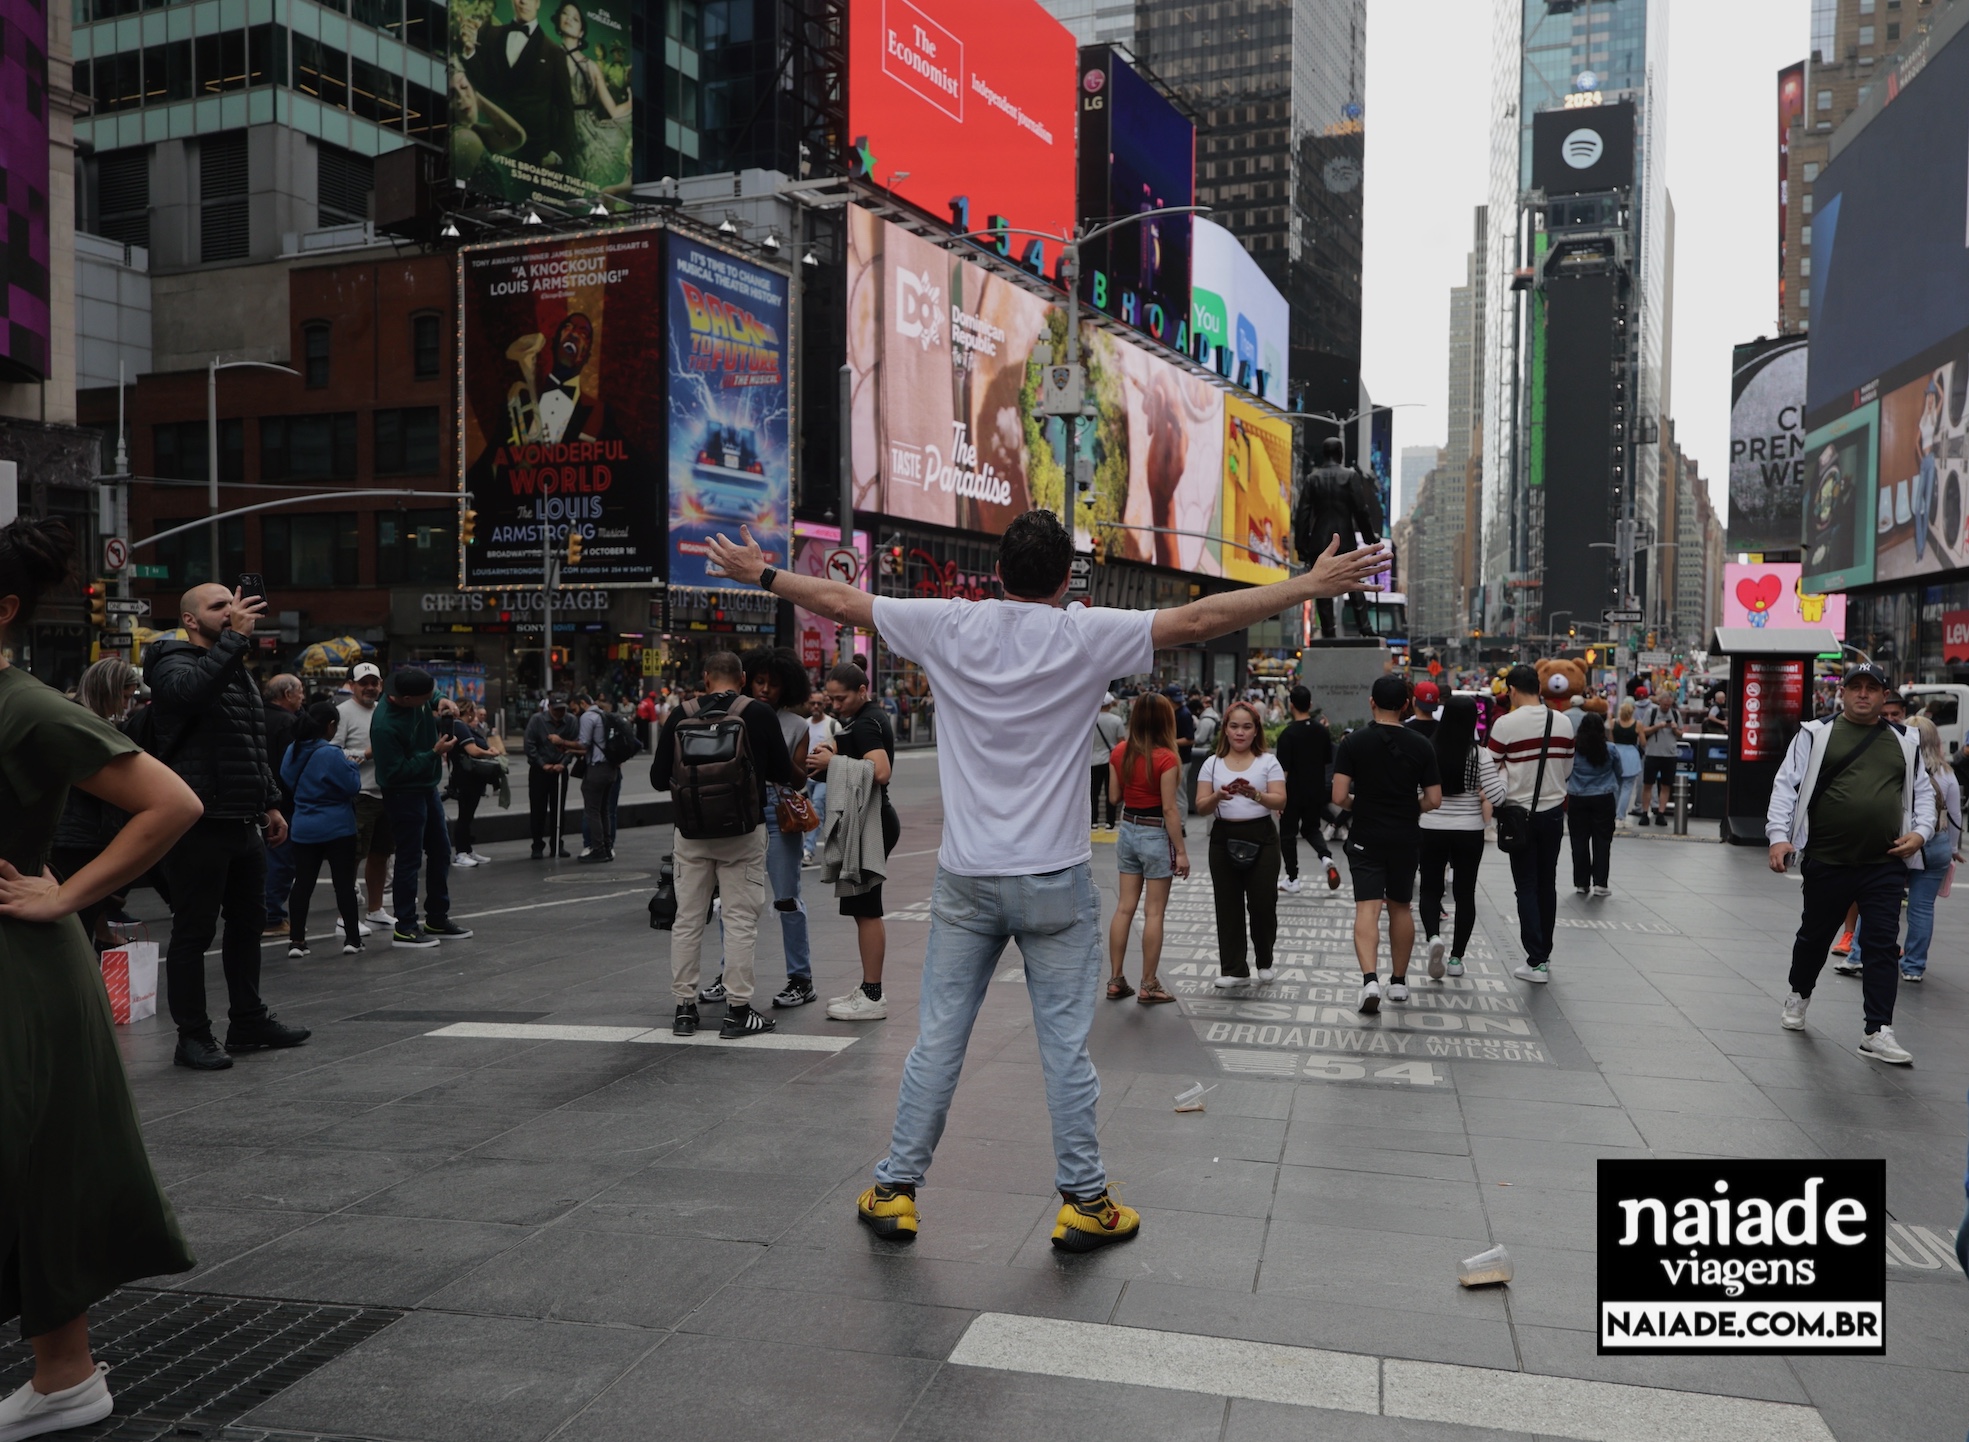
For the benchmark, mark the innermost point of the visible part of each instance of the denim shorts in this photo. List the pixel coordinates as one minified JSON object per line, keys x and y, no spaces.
{"x":1144,"y":851}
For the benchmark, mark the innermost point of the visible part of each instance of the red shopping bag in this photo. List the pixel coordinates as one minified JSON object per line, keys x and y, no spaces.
{"x":130,"y":977}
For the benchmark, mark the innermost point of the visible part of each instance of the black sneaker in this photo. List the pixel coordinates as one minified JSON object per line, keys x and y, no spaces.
{"x":266,"y":1033}
{"x":418,"y":940}
{"x":797,"y":993}
{"x":593,"y":856}
{"x":200,"y":1052}
{"x":686,"y":1022}
{"x":742,"y":1020}
{"x":714,"y":992}
{"x":538,"y":851}
{"x":447,"y":929}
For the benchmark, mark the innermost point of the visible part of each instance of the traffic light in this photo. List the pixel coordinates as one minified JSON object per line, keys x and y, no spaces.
{"x":573,"y":548}
{"x":468,"y":522}
{"x":1651,"y":640}
{"x":98,"y":592}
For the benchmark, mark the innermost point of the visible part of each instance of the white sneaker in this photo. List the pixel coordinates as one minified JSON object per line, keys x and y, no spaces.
{"x":297,"y":953}
{"x":380,"y":917}
{"x":1230,"y":983}
{"x":1536,"y":975}
{"x":1848,"y":966}
{"x":1454,"y":967}
{"x":1290,"y":885}
{"x":1397,"y":990}
{"x":1370,"y":996}
{"x":1881,"y":1046}
{"x":1603,"y":891}
{"x":28,"y":1413}
{"x":478,"y":859}
{"x":363,"y":927}
{"x":1266,"y":974}
{"x":463,"y":861}
{"x":857,"y":1005}
{"x":1792,"y":1018}
{"x":1436,"y":950}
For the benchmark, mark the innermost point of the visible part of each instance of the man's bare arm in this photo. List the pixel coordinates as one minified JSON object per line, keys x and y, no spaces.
{"x":841,"y":603}
{"x":1335,"y":573}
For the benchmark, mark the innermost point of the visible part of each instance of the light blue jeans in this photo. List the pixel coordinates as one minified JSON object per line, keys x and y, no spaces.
{"x":1922,"y":887}
{"x":817,"y":792}
{"x":1056,"y":919}
{"x":783,"y":876}
{"x":1630,"y":777}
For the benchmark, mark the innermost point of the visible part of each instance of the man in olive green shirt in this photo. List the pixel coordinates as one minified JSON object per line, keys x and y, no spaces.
{"x":1855,"y":800}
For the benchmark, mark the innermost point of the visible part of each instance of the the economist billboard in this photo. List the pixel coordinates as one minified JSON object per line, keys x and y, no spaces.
{"x":24,"y":255}
{"x":540,"y":100}
{"x":946,"y":424}
{"x":730,"y":407}
{"x":966,"y":111}
{"x":561,"y":368}
{"x":1770,"y":596}
{"x":1137,"y":154}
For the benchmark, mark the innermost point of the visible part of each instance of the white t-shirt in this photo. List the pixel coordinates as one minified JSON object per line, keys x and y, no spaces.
{"x":352,"y":735}
{"x":1217,"y":773}
{"x":1017,"y":686}
{"x":821,"y":731}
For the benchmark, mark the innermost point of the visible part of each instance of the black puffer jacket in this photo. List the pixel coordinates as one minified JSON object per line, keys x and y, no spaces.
{"x":211,"y":724}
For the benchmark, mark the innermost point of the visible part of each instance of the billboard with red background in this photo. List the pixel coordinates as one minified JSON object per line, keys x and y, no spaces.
{"x":949,"y":98}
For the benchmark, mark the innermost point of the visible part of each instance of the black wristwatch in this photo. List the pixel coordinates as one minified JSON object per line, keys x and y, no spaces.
{"x":766,"y":578}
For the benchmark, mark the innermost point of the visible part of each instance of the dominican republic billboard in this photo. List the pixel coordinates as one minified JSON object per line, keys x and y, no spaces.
{"x":966,"y":111}
{"x":730,"y":407}
{"x":1137,"y":154}
{"x":946,"y":422}
{"x":1767,"y":444}
{"x":24,"y":257}
{"x":1257,"y":512}
{"x":561,"y":370}
{"x":540,"y":103}
{"x":1238,"y":313}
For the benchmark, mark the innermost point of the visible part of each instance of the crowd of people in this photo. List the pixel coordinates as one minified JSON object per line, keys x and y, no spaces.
{"x":230,"y":796}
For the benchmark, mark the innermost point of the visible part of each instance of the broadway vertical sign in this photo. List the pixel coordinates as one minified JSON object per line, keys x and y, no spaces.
{"x":1743,"y":1257}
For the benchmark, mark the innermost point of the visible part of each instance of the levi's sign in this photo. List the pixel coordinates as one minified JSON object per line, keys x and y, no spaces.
{"x":1742,"y":1257}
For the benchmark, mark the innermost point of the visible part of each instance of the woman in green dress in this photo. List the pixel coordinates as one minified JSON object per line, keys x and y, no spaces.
{"x":80,"y":1211}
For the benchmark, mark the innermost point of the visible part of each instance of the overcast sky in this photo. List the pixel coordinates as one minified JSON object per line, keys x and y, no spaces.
{"x":1428,"y":108}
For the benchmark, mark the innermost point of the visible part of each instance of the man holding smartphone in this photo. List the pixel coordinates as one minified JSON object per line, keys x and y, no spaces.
{"x":211,"y":729}
{"x":410,"y":767}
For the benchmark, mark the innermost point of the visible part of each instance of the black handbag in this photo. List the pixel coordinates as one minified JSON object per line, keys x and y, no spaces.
{"x":1513,"y":820}
{"x":663,"y":904}
{"x":1244,"y":854}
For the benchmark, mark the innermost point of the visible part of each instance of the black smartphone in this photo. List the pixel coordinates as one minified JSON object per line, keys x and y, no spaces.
{"x":252,"y":583}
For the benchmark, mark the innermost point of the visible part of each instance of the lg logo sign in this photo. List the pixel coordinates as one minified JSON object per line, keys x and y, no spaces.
{"x":1583,"y":149}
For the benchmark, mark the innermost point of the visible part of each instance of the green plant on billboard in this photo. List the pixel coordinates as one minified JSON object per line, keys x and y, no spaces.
{"x":1104,"y":439}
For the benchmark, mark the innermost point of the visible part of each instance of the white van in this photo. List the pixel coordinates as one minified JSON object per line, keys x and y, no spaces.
{"x":1945,"y":705}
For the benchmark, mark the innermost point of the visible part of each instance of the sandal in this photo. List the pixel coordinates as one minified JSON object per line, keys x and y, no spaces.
{"x":1118,"y":988}
{"x":1152,"y":993}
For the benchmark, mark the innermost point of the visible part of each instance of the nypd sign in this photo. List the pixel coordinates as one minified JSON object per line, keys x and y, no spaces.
{"x":1742,"y":1257}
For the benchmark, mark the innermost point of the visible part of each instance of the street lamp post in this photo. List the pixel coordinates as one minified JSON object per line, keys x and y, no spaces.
{"x":212,"y":369}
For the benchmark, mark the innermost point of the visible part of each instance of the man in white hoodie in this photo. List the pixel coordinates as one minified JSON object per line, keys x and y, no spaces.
{"x":1854,"y":801}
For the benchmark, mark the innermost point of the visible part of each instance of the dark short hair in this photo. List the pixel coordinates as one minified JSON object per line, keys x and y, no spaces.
{"x":1333,"y":449}
{"x":784,"y":666}
{"x":1035,"y":556}
{"x":412,"y":683}
{"x":1523,"y":679}
{"x":1389,"y":693}
{"x":724,"y":664}
{"x":1301,"y":698}
{"x":582,"y":698}
{"x":849,"y":675}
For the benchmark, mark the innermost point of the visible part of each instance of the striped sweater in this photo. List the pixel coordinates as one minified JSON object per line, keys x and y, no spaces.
{"x":1516,"y":739}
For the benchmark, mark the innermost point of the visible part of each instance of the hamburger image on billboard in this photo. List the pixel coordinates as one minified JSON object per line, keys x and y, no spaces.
{"x":560,"y":428}
{"x":539,"y":98}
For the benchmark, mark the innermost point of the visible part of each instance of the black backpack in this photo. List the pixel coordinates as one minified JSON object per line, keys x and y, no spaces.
{"x":619,"y":743}
{"x":714,"y":780}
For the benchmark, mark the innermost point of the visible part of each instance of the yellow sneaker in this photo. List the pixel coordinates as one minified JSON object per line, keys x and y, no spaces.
{"x":1097,"y":1222}
{"x":889,"y":1211}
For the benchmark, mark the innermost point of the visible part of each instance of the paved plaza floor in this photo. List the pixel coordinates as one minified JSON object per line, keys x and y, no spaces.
{"x":534,"y":1216}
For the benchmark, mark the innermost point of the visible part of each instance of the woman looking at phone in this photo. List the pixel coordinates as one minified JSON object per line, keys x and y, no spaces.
{"x":1244,"y":789}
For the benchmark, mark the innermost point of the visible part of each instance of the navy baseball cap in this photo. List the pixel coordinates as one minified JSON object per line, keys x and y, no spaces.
{"x":1867,"y":671}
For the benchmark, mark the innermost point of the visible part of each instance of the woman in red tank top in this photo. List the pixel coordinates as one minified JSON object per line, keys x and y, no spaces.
{"x":1143,"y":774}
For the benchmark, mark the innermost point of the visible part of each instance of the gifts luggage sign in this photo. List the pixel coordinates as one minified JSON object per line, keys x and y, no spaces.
{"x":1742,"y":1257}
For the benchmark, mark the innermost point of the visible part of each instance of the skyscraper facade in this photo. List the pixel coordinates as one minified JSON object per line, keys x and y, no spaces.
{"x":1555,"y":55}
{"x":1278,"y":87}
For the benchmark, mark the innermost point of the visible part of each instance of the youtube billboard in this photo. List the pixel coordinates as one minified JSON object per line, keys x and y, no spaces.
{"x":967,"y":112}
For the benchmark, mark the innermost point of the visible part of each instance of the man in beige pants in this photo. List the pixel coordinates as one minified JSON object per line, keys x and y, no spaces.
{"x":721,"y":786}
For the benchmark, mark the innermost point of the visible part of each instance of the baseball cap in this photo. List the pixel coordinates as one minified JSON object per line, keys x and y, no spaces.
{"x":1427,"y":693}
{"x":1867,"y":671}
{"x":366,"y":670}
{"x":410,"y":682}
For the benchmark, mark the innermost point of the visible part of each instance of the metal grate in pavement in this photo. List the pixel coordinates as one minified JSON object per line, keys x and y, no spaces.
{"x":183,"y":1364}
